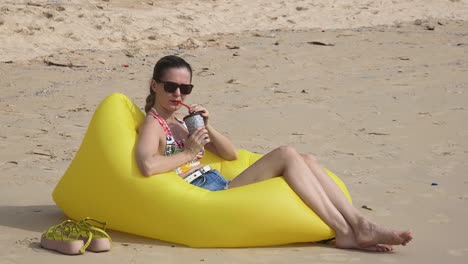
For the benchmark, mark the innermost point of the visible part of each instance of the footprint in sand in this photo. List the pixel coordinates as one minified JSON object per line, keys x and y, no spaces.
{"x":439,"y":219}
{"x":336,"y":257}
{"x":387,"y":260}
{"x":426,"y":195}
{"x":458,"y":252}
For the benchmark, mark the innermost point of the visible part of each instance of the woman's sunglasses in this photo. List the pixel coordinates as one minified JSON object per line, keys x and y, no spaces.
{"x":171,"y":87}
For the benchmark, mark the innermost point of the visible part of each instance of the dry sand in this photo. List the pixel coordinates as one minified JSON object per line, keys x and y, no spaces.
{"x":385,"y":107}
{"x":33,"y":28}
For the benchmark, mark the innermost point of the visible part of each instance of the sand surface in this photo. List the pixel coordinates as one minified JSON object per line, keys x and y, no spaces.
{"x":384,"y":105}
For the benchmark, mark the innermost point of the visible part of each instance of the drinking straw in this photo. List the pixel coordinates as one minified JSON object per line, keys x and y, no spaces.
{"x":188,"y":107}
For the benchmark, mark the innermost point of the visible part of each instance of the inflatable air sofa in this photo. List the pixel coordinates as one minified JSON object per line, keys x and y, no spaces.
{"x":103,"y":182}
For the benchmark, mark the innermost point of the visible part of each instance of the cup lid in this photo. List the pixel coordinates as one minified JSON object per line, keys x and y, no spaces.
{"x":192,"y":114}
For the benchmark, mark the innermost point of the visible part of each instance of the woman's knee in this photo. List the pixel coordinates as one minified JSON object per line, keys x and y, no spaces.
{"x":310,"y":159}
{"x":286,"y":152}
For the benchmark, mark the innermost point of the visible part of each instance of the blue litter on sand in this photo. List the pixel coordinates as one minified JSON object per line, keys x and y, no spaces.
{"x":434,"y":184}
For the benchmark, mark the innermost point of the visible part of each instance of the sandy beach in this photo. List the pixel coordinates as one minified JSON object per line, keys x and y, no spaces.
{"x":377,"y":91}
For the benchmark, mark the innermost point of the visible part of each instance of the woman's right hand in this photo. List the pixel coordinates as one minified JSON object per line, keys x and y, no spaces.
{"x":197,"y":140}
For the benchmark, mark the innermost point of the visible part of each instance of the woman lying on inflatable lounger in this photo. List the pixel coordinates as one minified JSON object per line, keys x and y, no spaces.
{"x":164,"y":144}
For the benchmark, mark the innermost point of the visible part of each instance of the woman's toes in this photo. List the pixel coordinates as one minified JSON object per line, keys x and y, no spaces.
{"x":406,"y":236}
{"x":384,"y":248}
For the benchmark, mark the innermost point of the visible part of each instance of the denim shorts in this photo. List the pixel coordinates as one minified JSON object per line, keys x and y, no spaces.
{"x":212,"y":181}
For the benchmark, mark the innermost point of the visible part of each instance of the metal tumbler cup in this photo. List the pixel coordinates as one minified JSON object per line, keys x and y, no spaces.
{"x":194,"y":121}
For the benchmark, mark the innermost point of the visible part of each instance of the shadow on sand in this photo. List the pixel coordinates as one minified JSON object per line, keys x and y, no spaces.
{"x":38,"y":218}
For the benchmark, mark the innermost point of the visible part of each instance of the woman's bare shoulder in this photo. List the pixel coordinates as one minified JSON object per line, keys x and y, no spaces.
{"x":150,"y":124}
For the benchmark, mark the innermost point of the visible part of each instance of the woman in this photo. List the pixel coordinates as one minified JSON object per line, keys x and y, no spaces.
{"x":164,"y":144}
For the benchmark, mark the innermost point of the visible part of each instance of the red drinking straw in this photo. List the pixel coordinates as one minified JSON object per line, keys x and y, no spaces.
{"x":188,"y":107}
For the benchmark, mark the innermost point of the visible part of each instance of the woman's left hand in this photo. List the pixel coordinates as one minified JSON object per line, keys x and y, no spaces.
{"x":203,"y":111}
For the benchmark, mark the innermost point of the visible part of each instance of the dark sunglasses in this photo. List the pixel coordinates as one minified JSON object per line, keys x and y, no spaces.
{"x":171,"y":87}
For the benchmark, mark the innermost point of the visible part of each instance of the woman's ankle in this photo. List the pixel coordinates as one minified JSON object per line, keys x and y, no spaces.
{"x":343,"y":229}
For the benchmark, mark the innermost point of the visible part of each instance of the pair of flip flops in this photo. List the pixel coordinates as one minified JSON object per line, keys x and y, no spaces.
{"x":72,"y":238}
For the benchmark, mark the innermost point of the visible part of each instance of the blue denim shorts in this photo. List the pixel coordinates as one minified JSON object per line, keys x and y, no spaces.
{"x":212,"y":181}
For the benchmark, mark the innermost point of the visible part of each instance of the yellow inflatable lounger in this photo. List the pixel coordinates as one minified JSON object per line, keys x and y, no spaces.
{"x":104,"y":182}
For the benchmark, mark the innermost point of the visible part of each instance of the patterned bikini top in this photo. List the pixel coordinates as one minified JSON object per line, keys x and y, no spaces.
{"x":173,"y":146}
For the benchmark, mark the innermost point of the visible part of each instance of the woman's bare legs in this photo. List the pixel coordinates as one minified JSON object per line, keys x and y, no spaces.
{"x":287,"y":162}
{"x":366,"y":232}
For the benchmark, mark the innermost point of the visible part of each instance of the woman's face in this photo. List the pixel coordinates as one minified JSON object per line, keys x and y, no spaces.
{"x":170,"y":100}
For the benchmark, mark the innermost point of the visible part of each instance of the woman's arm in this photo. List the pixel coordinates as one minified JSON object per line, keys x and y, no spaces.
{"x":149,"y":160}
{"x":220,"y":144}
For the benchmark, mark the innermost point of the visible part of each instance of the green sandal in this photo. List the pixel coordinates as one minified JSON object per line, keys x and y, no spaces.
{"x":100,"y":240}
{"x":66,"y":238}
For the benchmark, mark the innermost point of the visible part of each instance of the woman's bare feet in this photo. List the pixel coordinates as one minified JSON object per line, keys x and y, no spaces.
{"x":369,"y":234}
{"x":348,"y":241}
